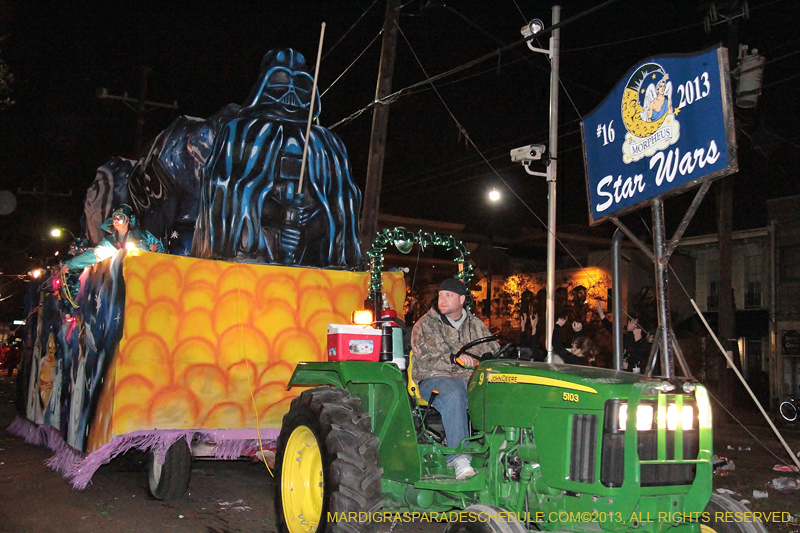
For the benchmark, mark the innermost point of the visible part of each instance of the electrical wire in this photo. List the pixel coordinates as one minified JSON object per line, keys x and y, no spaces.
{"x":494,"y":171}
{"x":351,"y":64}
{"x":345,"y":34}
{"x":243,"y":350}
{"x":491,"y":55}
{"x":745,"y":428}
{"x":407,"y":183}
{"x":632,"y":39}
{"x":779,"y":81}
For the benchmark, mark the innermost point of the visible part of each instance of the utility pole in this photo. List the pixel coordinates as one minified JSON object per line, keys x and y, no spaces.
{"x":380,"y":121}
{"x":725,"y":301}
{"x":140,"y":105}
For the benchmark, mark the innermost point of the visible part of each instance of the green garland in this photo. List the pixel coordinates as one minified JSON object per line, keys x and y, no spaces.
{"x":422,"y":239}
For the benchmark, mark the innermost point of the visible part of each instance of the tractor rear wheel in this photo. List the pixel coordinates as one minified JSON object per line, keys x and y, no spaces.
{"x":721,"y":503}
{"x":169,"y":481}
{"x":485,"y":519}
{"x":326,"y":465}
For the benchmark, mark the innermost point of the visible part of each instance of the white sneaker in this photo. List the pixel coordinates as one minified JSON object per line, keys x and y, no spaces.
{"x":462,"y":467}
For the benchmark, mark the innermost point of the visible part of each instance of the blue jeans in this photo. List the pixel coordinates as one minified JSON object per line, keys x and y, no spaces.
{"x":451,"y":404}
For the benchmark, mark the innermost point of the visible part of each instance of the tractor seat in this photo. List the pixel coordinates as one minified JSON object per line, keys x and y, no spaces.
{"x":413,"y":387}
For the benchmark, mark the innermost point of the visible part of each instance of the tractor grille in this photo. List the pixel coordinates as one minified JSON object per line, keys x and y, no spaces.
{"x":656,"y":474}
{"x":584,"y":443}
{"x":660,"y":475}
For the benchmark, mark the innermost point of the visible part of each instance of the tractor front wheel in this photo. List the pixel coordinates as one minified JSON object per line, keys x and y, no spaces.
{"x":327,"y":465}
{"x":485,"y":519}
{"x":721,"y":504}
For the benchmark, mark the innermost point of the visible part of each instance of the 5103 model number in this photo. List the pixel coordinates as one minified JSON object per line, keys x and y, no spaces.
{"x":570,"y":397}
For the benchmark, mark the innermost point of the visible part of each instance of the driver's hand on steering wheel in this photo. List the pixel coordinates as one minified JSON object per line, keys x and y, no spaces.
{"x":467,"y":361}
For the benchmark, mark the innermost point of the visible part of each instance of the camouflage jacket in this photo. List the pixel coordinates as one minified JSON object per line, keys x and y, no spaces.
{"x":434,"y":338}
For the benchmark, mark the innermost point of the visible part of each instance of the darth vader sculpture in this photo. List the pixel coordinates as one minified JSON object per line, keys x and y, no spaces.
{"x":254,"y":205}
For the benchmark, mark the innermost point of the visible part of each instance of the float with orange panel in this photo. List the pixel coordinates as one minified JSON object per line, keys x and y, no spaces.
{"x":180,"y":357}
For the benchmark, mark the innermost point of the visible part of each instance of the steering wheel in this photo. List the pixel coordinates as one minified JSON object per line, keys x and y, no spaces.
{"x":504,"y":351}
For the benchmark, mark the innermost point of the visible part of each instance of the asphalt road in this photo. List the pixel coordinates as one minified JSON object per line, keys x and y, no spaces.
{"x":237,"y":496}
{"x":223,"y":496}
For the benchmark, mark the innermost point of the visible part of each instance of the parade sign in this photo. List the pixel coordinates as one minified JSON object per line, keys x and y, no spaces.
{"x":667,"y":126}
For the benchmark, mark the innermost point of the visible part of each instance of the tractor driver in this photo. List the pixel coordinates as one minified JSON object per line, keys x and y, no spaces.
{"x":435,"y":339}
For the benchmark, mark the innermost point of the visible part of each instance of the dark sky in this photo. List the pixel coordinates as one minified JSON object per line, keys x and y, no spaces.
{"x":206,"y":54}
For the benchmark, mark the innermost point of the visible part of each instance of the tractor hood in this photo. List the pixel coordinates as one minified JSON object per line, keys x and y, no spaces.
{"x":512,"y":392}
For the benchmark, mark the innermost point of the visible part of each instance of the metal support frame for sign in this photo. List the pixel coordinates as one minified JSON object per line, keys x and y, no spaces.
{"x":660,"y":258}
{"x":666,"y":343}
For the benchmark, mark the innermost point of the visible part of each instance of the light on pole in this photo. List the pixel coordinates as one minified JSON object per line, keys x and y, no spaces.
{"x":58,"y":232}
{"x":494,"y":197}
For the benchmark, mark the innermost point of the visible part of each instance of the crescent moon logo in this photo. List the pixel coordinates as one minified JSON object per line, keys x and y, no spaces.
{"x":646,"y":109}
{"x":633,"y":112}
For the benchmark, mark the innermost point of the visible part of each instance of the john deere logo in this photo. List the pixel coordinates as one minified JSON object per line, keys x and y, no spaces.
{"x":648,"y":114}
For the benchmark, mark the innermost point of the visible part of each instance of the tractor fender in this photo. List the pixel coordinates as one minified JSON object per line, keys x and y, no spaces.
{"x":382,"y":390}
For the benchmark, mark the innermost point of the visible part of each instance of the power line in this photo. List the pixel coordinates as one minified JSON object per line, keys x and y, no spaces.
{"x":345,"y":34}
{"x":491,"y":55}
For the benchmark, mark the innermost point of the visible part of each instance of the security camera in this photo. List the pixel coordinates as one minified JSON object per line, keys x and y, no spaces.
{"x":532,"y":28}
{"x":532,"y":152}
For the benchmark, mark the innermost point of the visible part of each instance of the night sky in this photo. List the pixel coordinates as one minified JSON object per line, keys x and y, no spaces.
{"x":206,"y":54}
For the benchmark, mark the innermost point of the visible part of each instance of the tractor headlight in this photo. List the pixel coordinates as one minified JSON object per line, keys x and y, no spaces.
{"x":686,"y":417}
{"x":644,"y":417}
{"x":703,"y":408}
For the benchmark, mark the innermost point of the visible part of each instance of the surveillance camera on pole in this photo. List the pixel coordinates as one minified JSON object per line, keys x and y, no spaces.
{"x":526,"y":154}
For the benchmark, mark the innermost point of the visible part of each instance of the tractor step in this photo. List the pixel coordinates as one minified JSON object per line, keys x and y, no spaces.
{"x":477,"y":482}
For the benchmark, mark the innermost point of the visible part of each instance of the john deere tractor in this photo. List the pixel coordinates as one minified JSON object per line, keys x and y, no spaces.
{"x":555,"y":447}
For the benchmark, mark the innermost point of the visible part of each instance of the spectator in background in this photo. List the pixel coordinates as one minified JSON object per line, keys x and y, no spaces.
{"x":581,"y":351}
{"x":637,"y":345}
{"x":12,"y":359}
{"x":527,"y":310}
{"x":606,"y":323}
{"x":581,"y":347}
{"x":579,"y":306}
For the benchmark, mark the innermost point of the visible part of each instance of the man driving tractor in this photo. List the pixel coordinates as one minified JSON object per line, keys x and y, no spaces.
{"x":435,"y":339}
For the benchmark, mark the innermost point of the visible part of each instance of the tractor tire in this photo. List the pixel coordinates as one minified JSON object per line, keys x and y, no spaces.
{"x":721,"y":503}
{"x":327,"y":464}
{"x":485,"y":519}
{"x":170,"y":480}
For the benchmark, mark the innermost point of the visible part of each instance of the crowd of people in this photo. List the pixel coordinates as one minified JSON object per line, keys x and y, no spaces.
{"x":584,"y":331}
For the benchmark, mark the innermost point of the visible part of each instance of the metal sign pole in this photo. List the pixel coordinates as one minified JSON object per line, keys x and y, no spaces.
{"x":662,"y":288}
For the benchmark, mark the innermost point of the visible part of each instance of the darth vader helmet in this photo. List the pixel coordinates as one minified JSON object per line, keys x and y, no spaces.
{"x":285,"y":85}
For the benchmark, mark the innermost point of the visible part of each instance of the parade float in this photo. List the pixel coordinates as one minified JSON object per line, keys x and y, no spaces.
{"x":142,"y":350}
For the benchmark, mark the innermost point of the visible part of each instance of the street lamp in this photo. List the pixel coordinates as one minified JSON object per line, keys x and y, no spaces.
{"x":57,"y":232}
{"x":494,"y":197}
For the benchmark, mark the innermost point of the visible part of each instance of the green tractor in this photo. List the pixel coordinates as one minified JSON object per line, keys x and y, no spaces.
{"x":555,"y":447}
